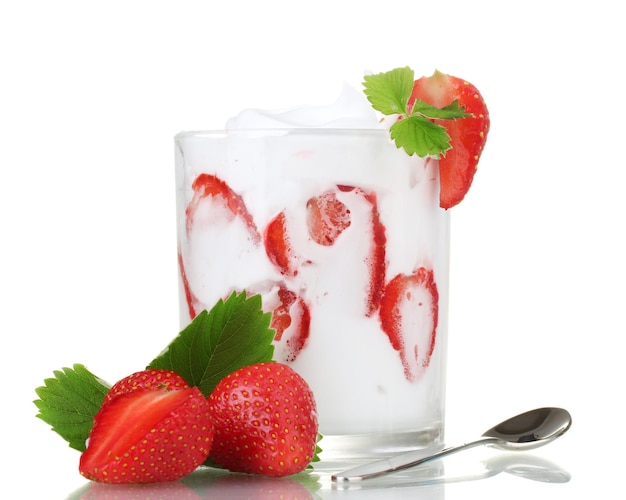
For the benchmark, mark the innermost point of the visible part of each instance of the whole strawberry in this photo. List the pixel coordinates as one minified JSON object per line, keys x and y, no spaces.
{"x":151,"y":428}
{"x":265,"y":421}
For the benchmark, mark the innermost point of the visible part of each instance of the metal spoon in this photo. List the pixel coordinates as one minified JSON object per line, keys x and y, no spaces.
{"x":523,"y":432}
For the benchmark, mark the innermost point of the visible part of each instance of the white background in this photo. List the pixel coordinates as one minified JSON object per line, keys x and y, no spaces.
{"x":92,"y":93}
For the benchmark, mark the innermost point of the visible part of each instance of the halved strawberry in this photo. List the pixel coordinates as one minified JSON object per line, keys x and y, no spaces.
{"x":468,"y":135}
{"x":409,"y":314}
{"x":265,"y":421}
{"x":165,"y":380}
{"x":148,"y":432}
{"x":206,"y":185}
{"x":278,"y":246}
{"x":327,"y":218}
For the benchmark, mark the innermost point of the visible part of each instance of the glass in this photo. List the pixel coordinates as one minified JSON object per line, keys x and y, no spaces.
{"x":342,"y":235}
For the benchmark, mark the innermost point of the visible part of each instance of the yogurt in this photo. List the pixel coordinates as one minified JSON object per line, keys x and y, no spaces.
{"x":342,"y":235}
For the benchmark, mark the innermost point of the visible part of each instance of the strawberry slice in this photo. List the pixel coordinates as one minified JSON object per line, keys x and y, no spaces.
{"x":193,"y":304}
{"x":291,"y":319}
{"x":278,"y":246}
{"x":409,"y":315}
{"x":327,"y":218}
{"x":377,"y":257}
{"x":206,"y":185}
{"x":467,"y":135}
{"x":148,"y":431}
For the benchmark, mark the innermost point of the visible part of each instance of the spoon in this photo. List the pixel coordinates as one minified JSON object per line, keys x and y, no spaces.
{"x":523,"y":432}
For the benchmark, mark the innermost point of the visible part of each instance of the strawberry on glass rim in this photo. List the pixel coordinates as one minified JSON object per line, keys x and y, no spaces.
{"x":440,"y":116}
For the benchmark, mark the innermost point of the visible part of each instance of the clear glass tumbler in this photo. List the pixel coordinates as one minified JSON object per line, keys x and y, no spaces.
{"x":342,"y":235}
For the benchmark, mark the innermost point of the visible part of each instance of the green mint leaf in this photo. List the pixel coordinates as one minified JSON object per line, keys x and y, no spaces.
{"x":389,"y":92}
{"x":69,"y":402}
{"x":450,"y":112}
{"x":234,"y":334}
{"x":418,"y":135}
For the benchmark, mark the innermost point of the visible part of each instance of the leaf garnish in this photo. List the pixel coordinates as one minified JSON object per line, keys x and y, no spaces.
{"x":69,"y":402}
{"x":390,"y":93}
{"x":234,"y":334}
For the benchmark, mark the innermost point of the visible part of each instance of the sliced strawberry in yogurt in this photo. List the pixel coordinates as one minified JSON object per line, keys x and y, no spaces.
{"x":278,"y":246}
{"x":214,"y":215}
{"x":291,"y":319}
{"x":193,"y":304}
{"x":326,"y":218}
{"x":376,"y":260}
{"x":206,"y":185}
{"x":409,"y":315}
{"x":376,"y":256}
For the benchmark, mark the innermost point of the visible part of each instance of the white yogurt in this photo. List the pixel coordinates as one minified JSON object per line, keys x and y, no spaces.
{"x":370,"y":398}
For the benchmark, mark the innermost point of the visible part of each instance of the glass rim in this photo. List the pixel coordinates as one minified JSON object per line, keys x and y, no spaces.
{"x":282,"y":131}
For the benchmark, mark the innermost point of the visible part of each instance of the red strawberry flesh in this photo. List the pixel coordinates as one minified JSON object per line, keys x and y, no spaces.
{"x":467,"y":135}
{"x":278,"y":246}
{"x":164,"y":380}
{"x":148,"y":435}
{"x":409,"y":316}
{"x":327,"y":218}
{"x":206,"y":185}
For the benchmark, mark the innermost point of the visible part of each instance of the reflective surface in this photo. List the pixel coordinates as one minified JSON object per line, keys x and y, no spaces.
{"x":527,"y":430}
{"x":429,"y":482}
{"x":531,"y":429}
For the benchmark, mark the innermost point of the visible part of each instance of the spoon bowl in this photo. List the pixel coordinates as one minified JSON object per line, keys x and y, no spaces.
{"x":523,"y":432}
{"x":531,"y":429}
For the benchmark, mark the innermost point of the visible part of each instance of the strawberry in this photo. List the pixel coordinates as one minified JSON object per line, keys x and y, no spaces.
{"x":291,"y":320}
{"x":148,"y":379}
{"x":409,"y":316}
{"x":152,"y":428}
{"x":206,"y":185}
{"x":376,"y":260}
{"x":327,"y":218}
{"x":467,"y":135}
{"x":265,"y":421}
{"x":278,"y":246}
{"x":193,"y":304}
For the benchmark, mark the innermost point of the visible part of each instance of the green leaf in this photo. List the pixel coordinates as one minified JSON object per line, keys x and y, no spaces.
{"x":234,"y":334}
{"x":449,"y":112}
{"x":389,"y":92}
{"x":418,"y":135}
{"x":69,"y":403}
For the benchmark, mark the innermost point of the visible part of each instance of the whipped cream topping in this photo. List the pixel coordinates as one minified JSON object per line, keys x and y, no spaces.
{"x":350,"y":110}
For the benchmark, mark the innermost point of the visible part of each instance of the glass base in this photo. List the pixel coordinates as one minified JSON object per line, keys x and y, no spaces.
{"x":373,"y":446}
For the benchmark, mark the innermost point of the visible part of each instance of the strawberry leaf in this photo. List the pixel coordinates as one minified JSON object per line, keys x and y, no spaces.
{"x":234,"y":334}
{"x":389,"y":92}
{"x":449,"y":112}
{"x":418,"y":135}
{"x":69,"y":402}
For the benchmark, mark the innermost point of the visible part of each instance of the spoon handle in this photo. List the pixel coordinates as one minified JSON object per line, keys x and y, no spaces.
{"x":404,"y":461}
